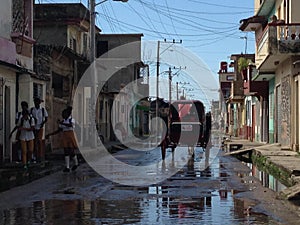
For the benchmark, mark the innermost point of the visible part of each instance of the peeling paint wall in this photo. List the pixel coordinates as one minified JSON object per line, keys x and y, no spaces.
{"x":5,"y":18}
{"x":286,"y":110}
{"x":283,"y":78}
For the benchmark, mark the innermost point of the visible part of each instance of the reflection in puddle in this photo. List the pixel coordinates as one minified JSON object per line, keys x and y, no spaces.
{"x":159,"y":205}
{"x":218,"y":207}
{"x":267,"y":180}
{"x":189,"y":198}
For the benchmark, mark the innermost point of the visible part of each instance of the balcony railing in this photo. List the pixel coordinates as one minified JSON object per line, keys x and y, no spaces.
{"x":277,"y":39}
{"x":289,"y":32}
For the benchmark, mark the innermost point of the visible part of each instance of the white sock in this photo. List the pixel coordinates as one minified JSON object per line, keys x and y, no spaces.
{"x":67,"y":160}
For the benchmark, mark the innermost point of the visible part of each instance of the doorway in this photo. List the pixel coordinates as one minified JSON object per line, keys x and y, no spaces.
{"x":7,"y":124}
{"x":296,"y":115}
{"x":278,"y":114}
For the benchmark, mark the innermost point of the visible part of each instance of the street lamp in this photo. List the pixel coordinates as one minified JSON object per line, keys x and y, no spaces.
{"x":246,"y":40}
{"x":107,"y":0}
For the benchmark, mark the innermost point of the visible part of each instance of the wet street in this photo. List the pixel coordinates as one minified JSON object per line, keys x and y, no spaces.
{"x":205,"y":189}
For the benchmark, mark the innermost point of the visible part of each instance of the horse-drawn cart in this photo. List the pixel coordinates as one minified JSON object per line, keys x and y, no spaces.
{"x":188,"y":125}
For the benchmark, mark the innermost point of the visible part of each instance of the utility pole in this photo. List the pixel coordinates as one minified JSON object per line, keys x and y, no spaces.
{"x":92,"y":28}
{"x":177,"y":94}
{"x":157,"y":67}
{"x":170,"y":96}
{"x":170,"y":84}
{"x":92,"y":104}
{"x":92,"y":5}
{"x":176,"y":73}
{"x":183,"y":87}
{"x":157,"y":89}
{"x":94,"y":80}
{"x":170,"y":80}
{"x":157,"y":74}
{"x":157,"y":80}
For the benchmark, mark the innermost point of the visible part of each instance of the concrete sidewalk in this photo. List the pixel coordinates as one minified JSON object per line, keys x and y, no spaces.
{"x":282,"y":163}
{"x":13,"y":174}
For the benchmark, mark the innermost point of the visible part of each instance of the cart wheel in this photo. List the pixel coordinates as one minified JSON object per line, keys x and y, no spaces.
{"x":163,"y":148}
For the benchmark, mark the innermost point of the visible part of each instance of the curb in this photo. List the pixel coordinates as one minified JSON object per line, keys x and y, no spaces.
{"x":282,"y":163}
{"x":13,"y":174}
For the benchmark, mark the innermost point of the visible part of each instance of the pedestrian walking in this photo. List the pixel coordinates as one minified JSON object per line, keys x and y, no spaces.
{"x":40,"y":116}
{"x":26,"y":127}
{"x":24,"y":106}
{"x":120,"y":132}
{"x":69,"y":142}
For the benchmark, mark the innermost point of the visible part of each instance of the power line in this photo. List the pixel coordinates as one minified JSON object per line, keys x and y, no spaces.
{"x":165,"y":33}
{"x":218,"y":5}
{"x":198,"y":12}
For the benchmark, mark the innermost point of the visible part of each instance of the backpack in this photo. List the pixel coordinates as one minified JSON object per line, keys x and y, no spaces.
{"x":30,"y":120}
{"x":43,"y":113}
{"x":70,"y":120}
{"x":18,"y":117}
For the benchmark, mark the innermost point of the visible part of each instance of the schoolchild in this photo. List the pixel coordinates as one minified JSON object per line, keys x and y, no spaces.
{"x":24,"y":106}
{"x":26,"y":125}
{"x":69,"y":142}
{"x":40,"y":115}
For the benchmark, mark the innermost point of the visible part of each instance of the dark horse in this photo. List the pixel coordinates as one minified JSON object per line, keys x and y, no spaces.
{"x":187,"y":125}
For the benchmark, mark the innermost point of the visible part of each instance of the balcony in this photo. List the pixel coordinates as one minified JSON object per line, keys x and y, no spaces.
{"x":68,"y":12}
{"x":276,"y":44}
{"x":226,"y":79}
{"x":236,"y":91}
{"x":8,"y":51}
{"x":24,"y":48}
{"x":254,"y":86}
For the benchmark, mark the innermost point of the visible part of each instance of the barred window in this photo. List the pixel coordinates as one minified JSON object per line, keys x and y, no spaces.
{"x":37,"y":90}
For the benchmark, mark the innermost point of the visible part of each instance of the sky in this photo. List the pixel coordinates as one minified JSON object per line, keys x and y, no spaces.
{"x":207,"y":29}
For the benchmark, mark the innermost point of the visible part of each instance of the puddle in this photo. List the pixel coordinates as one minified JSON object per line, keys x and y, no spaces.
{"x":219,"y":207}
{"x":197,"y":194}
{"x":176,"y":203}
{"x":267,"y":180}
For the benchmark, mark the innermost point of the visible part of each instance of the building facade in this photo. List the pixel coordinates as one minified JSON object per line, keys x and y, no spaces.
{"x":18,"y":80}
{"x":124,"y":94}
{"x":276,"y":27}
{"x":61,"y":52}
{"x":62,"y":33}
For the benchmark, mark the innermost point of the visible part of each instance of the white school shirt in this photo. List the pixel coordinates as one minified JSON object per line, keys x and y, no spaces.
{"x":68,"y":120}
{"x":38,"y":115}
{"x":26,"y":135}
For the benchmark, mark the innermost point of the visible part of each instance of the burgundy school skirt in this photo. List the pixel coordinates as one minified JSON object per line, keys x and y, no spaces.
{"x":69,"y":142}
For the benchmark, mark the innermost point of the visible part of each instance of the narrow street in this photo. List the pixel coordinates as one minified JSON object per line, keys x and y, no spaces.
{"x":209,"y":189}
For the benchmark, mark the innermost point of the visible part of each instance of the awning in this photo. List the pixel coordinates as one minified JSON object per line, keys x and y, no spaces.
{"x":252,"y":23}
{"x":143,"y":107}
